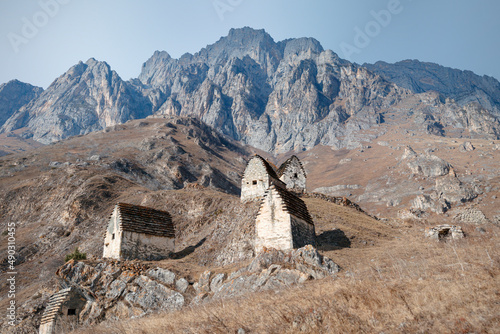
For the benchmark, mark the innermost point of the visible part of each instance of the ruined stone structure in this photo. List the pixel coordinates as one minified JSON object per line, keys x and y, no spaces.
{"x":258,"y":177}
{"x":283,"y":221}
{"x":64,"y":308}
{"x":293,"y":174}
{"x":138,"y":232}
{"x":441,"y":232}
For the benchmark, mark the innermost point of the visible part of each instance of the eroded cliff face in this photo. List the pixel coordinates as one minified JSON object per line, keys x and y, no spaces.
{"x":290,"y":95}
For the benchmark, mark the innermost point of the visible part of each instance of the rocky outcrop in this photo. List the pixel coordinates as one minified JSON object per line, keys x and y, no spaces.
{"x":123,"y":289}
{"x":430,"y":202}
{"x":13,"y":95}
{"x":427,"y":165}
{"x":271,"y":269}
{"x":338,"y":190}
{"x":119,"y":290}
{"x":452,"y":190}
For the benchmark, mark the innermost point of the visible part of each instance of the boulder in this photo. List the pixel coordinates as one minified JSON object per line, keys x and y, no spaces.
{"x":466,"y":147}
{"x":153,"y":296}
{"x":163,"y":275}
{"x":181,"y":285}
{"x":452,"y":190}
{"x":425,"y":202}
{"x":427,"y":165}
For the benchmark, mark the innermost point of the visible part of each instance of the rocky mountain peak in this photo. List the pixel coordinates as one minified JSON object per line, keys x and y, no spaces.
{"x":257,"y":44}
{"x":158,"y":60}
{"x":246,"y":34}
{"x":303,"y":44}
{"x":88,"y":97}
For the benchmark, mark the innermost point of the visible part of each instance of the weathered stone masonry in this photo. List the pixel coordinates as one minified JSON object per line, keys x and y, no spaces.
{"x":258,"y":177}
{"x":138,"y":232}
{"x":293,"y":174}
{"x":283,"y":222}
{"x":65,"y":304}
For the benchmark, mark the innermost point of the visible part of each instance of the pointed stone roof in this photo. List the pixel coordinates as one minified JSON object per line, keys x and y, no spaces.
{"x":293,"y":159}
{"x":54,"y":306}
{"x":141,"y":219}
{"x":292,"y":204}
{"x":267,"y":165}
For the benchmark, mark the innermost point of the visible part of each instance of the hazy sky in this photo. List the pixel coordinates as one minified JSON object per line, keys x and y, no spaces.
{"x":41,"y":39}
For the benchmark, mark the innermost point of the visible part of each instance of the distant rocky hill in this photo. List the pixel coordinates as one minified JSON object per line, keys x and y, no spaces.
{"x":463,"y":86}
{"x":13,"y":95}
{"x":281,"y":96}
{"x":88,"y":97}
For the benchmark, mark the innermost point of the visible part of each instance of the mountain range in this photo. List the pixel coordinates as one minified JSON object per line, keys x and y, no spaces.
{"x":281,"y":96}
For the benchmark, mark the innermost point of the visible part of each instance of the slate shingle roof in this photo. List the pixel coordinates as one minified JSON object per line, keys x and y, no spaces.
{"x":293,"y":205}
{"x":289,"y":161}
{"x":54,"y":305}
{"x":140,"y":219}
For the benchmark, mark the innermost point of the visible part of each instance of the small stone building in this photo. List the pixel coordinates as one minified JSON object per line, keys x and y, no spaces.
{"x":62,"y":311}
{"x":138,"y":232}
{"x":259,"y":175}
{"x":293,"y":174}
{"x":442,"y":232}
{"x":283,"y":221}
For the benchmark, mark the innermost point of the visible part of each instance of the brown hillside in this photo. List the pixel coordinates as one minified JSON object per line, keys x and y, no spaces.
{"x":393,"y":280}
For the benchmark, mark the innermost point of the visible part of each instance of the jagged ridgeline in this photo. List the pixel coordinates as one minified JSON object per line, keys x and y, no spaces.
{"x":275,"y":96}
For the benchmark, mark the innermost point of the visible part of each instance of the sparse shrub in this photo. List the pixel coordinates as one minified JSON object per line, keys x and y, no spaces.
{"x":4,"y":233}
{"x":217,"y":212}
{"x":76,"y":255}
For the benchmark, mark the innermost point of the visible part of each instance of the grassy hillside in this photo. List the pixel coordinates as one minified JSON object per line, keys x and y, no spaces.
{"x":393,"y":280}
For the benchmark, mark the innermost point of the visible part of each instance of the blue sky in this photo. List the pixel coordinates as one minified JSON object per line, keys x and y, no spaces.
{"x":41,"y":39}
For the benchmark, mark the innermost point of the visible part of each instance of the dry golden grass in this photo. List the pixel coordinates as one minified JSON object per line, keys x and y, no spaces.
{"x":406,"y":284}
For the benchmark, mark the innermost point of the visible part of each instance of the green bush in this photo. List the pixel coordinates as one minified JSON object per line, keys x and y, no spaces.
{"x":76,"y":255}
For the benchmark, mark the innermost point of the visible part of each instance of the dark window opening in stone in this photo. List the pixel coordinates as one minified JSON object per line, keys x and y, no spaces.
{"x":295,"y":175}
{"x":254,"y":182}
{"x":113,"y":237}
{"x":443,"y":233}
{"x":71,"y":311}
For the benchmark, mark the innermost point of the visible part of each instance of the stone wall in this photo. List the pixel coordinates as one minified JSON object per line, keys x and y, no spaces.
{"x":112,"y":240}
{"x":62,"y":311}
{"x":47,"y":328}
{"x":303,"y":233}
{"x":255,"y":181}
{"x":145,"y":247}
{"x":125,"y":245}
{"x":294,"y":176}
{"x":273,"y":225}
